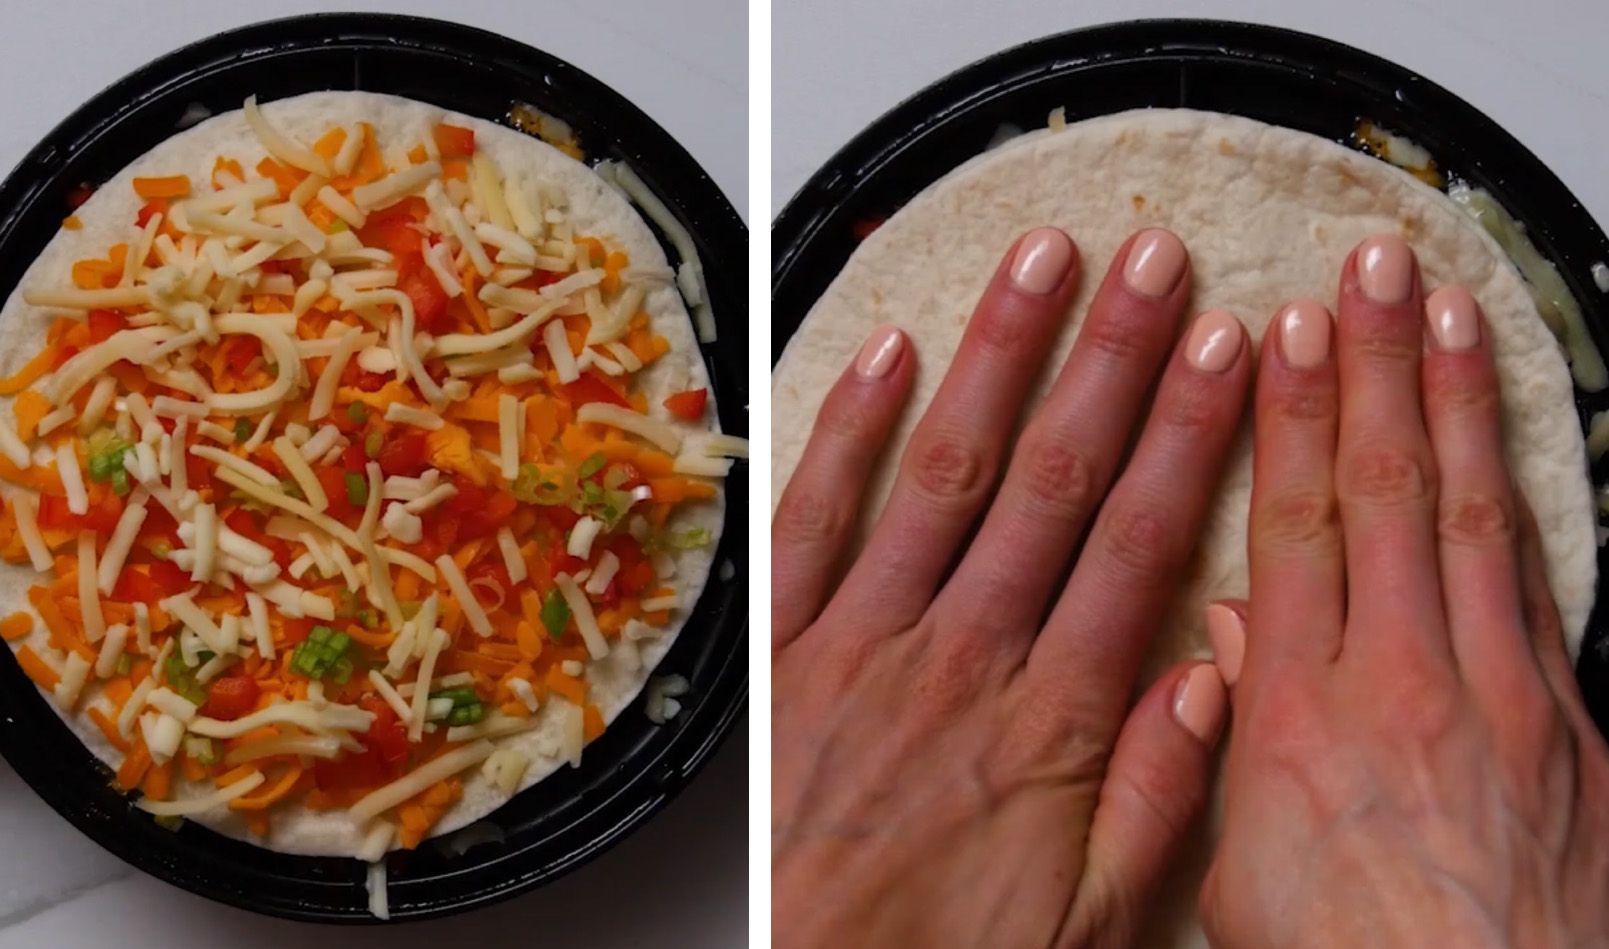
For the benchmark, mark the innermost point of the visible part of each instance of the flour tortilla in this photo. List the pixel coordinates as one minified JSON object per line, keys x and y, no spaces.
{"x":1268,"y":214}
{"x":594,"y":209}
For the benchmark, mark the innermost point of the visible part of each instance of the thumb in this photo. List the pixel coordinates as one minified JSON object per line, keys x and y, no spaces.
{"x":1155,"y":785}
{"x":1226,"y":630}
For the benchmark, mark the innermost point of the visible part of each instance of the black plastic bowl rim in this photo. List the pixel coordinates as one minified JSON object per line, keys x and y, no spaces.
{"x":1274,"y":75}
{"x":634,"y":769}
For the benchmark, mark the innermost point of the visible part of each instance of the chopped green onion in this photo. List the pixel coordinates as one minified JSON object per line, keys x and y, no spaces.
{"x":555,"y":614}
{"x":107,"y":460}
{"x":182,"y":680}
{"x":531,"y":488}
{"x":372,"y":443}
{"x":357,"y":489}
{"x":688,"y":539}
{"x":592,"y":494}
{"x":467,"y":714}
{"x":201,"y":749}
{"x":592,"y":465}
{"x":125,"y":664}
{"x":291,"y":488}
{"x":323,"y":653}
{"x":243,"y":429}
{"x":120,"y":485}
{"x":357,"y":412}
{"x":369,"y":618}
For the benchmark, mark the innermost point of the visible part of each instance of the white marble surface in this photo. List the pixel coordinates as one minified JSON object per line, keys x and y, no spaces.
{"x":680,"y":881}
{"x":1538,"y":68}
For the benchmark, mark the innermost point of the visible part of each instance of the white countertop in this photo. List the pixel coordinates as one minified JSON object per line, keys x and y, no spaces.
{"x":1537,"y":68}
{"x":682,"y":879}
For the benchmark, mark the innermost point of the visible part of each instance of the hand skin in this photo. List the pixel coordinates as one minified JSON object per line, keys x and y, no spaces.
{"x":955,"y":758}
{"x":1411,"y":763}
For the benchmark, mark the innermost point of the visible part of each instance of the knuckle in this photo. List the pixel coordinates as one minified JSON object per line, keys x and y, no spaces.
{"x":1309,"y":403}
{"x":1191,"y":411}
{"x":1475,"y":520}
{"x":1299,"y":520}
{"x":807,"y":517}
{"x":1110,"y":340}
{"x":1057,"y":480}
{"x":947,"y":469}
{"x":1461,"y":392}
{"x":1386,"y":344}
{"x":1138,"y":541}
{"x":1003,"y":329}
{"x":846,"y":418}
{"x":1385,"y":476}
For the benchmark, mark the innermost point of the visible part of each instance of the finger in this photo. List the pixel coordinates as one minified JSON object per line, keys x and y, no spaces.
{"x":1542,"y":619}
{"x":1294,"y":537}
{"x":1226,"y":631}
{"x":816,"y":516}
{"x":1475,"y":505}
{"x":1385,"y":474}
{"x":1069,"y":452}
{"x":1155,"y":786}
{"x":948,"y":469}
{"x":1127,"y":572}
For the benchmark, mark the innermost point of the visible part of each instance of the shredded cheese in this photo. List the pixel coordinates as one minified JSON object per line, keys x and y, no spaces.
{"x":121,"y":542}
{"x":382,"y":799}
{"x":404,"y":414}
{"x":301,"y":472}
{"x":585,"y":620}
{"x":435,"y":641}
{"x":558,"y":347}
{"x":447,"y":568}
{"x":204,"y":803}
{"x":658,"y":433}
{"x":281,"y":146}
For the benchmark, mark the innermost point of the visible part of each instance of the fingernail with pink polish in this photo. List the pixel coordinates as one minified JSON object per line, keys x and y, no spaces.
{"x":1041,"y":262}
{"x":1385,"y":268}
{"x":1200,"y":702}
{"x":1214,"y":342}
{"x":879,"y":353}
{"x":1227,"y":633}
{"x":1304,"y":334}
{"x":1155,"y":263}
{"x":1454,"y":320}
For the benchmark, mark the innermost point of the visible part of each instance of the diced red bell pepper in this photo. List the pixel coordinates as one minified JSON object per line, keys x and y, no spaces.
{"x":560,"y":516}
{"x":454,"y":141}
{"x":383,"y":758}
{"x":104,"y":323}
{"x":589,"y":388}
{"x":429,"y":301}
{"x":239,"y":350}
{"x":478,"y":511}
{"x":78,"y":195}
{"x":333,"y":481}
{"x":230,"y":697}
{"x":149,"y":588}
{"x":150,"y":209}
{"x":169,"y":578}
{"x":101,"y":517}
{"x":688,"y":405}
{"x":404,"y":455}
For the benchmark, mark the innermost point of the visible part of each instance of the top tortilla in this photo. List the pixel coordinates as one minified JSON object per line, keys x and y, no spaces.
{"x":595,"y":208}
{"x":1268,"y":214}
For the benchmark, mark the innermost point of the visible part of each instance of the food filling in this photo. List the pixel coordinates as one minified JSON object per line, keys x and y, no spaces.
{"x":336,"y":471}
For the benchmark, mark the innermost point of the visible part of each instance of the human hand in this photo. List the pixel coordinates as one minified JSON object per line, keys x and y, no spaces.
{"x":1411,"y":762}
{"x":950,"y":766}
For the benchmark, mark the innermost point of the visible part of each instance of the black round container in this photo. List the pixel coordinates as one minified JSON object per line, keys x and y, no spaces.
{"x":1277,"y":76}
{"x":635,"y":767}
